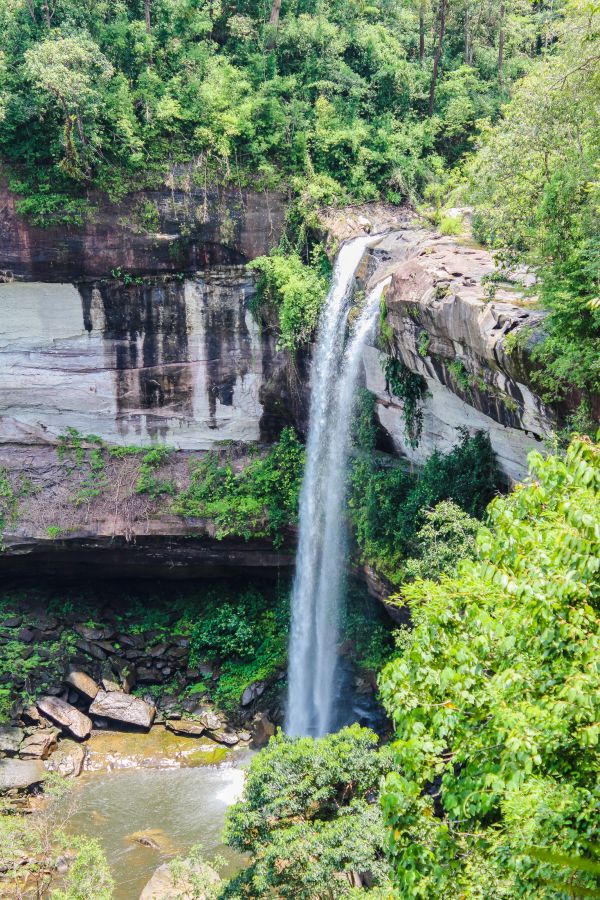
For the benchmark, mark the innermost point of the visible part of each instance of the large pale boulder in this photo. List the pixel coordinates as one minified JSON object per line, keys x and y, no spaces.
{"x":83,"y":684}
{"x":20,"y":773}
{"x":164,"y":886}
{"x":253,"y":692}
{"x":262,"y":730}
{"x":39,"y":744}
{"x":65,"y":715}
{"x":67,"y":760}
{"x":122,"y":707}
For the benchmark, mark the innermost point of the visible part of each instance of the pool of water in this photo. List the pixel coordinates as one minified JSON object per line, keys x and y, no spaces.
{"x":170,"y":802}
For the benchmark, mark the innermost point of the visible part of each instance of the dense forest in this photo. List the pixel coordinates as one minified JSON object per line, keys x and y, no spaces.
{"x":488,"y":103}
{"x":488,"y":786}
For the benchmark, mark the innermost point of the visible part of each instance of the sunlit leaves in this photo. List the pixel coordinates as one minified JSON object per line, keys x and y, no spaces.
{"x":495,"y":696}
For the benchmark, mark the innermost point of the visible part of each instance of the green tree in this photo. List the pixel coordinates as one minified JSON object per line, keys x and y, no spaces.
{"x":535,"y":186}
{"x":73,"y":71}
{"x":309,"y":817}
{"x":495,"y":699}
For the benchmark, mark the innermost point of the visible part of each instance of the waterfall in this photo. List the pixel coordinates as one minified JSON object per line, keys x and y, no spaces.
{"x":321,"y":556}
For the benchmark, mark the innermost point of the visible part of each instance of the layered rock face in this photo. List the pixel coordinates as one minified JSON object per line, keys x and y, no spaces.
{"x":177,"y":361}
{"x":449,"y":324}
{"x":185,"y":226}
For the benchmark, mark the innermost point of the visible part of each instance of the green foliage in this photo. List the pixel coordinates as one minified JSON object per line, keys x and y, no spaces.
{"x":147,"y":482}
{"x":308,"y":816}
{"x":8,"y":502}
{"x":411,"y":388}
{"x":535,"y":186}
{"x":495,"y":701}
{"x":450,"y":225}
{"x":330,"y":101}
{"x":295,"y":290}
{"x":247,"y":635}
{"x":388,"y":505}
{"x":447,"y":536}
{"x":31,"y":846}
{"x":461,"y":375}
{"x":89,"y":876}
{"x":517,"y":340}
{"x":367,"y":626}
{"x":423,"y":344}
{"x":261,"y":500}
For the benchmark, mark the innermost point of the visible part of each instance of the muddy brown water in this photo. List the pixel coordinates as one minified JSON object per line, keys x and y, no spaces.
{"x":174,"y":790}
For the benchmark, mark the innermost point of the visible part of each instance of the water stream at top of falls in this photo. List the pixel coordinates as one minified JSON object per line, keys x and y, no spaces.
{"x":320,"y":562}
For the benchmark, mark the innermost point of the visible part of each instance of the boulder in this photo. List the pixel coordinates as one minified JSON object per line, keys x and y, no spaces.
{"x":185,"y":726}
{"x":149,"y":675}
{"x":154,"y":838}
{"x":20,"y":773}
{"x":262,"y":730}
{"x":91,"y":649}
{"x":109,"y":685}
{"x":67,"y":760}
{"x":39,"y":744}
{"x":83,"y":684}
{"x":121,"y":707}
{"x":229,"y":738}
{"x":209,"y":718}
{"x":253,"y":692}
{"x":65,"y":715}
{"x":163,"y":886}
{"x":10,"y":738}
{"x":94,"y":634}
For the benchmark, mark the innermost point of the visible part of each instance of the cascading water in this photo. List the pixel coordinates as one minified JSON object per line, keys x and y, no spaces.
{"x":321,"y":554}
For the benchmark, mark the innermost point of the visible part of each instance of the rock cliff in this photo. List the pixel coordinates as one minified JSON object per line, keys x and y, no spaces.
{"x":449,"y":321}
{"x":179,"y":359}
{"x":182,"y":227}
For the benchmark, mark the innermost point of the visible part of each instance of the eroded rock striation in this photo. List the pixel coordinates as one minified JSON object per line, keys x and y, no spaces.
{"x":181,"y":227}
{"x":454,"y":325}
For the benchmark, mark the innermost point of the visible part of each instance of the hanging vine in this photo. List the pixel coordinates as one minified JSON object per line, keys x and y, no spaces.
{"x":411,"y":388}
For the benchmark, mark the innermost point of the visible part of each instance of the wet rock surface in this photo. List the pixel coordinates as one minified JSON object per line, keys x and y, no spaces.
{"x":66,"y":715}
{"x":67,"y":760}
{"x":187,"y":727}
{"x":452,"y":330}
{"x":121,"y":707}
{"x":196,"y":228}
{"x":20,"y":773}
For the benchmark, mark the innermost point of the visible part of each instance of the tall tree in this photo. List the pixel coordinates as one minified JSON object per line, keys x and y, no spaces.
{"x":442,"y":12}
{"x":501,"y":14}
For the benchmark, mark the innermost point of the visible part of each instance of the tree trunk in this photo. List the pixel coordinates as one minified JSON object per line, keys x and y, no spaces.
{"x":147,"y":10}
{"x":274,"y":17}
{"x":501,"y":44}
{"x":273,"y":22}
{"x":421,"y":32}
{"x":438,"y":53}
{"x":468,"y":38}
{"x":47,"y":14}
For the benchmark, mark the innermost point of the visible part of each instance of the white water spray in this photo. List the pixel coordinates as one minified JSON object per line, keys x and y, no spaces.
{"x":321,"y":553}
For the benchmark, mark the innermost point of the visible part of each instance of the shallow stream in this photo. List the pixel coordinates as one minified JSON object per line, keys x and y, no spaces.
{"x":172,"y":792}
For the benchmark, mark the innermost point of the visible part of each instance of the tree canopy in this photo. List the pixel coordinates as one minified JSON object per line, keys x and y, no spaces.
{"x":495,"y":699}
